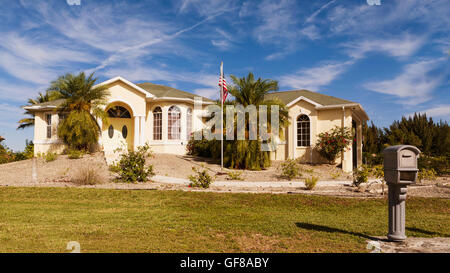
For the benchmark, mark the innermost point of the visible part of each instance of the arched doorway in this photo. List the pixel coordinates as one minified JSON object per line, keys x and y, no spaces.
{"x":119,"y":132}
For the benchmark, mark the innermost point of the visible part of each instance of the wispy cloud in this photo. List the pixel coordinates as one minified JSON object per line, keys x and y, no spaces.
{"x":316,"y":77}
{"x":414,"y":85}
{"x":311,"y":18}
{"x":397,"y":47}
{"x":439,"y":111}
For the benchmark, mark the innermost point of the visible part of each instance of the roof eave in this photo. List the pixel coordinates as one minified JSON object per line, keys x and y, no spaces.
{"x":354,"y":104}
{"x":119,"y":78}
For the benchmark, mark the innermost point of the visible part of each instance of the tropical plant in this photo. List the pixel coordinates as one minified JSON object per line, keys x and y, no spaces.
{"x":83,"y":103}
{"x":360,"y":175}
{"x":333,"y":143}
{"x":41,"y":98}
{"x":246,"y":154}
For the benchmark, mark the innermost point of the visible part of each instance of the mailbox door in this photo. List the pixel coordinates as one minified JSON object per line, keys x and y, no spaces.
{"x":407,"y":159}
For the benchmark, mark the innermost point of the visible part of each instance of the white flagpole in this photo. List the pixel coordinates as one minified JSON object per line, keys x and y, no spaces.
{"x":221,"y":117}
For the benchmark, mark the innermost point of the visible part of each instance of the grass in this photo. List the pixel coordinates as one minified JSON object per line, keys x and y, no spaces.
{"x":46,"y":219}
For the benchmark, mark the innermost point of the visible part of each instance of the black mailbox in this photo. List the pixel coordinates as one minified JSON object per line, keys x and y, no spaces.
{"x":400,"y":164}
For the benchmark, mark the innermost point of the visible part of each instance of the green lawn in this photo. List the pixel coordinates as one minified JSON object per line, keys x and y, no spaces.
{"x":45,"y":219}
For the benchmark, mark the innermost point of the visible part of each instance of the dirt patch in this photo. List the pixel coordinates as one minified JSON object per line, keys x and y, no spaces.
{"x":180,"y":166}
{"x":61,"y":170}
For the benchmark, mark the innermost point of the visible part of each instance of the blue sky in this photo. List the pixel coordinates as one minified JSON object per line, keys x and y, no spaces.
{"x":392,"y":58}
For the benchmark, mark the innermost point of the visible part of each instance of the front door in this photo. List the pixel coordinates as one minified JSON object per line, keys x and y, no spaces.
{"x":119,"y":132}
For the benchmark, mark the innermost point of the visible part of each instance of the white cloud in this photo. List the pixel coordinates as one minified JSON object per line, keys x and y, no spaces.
{"x":311,"y":18}
{"x":43,"y":53}
{"x":18,"y":92}
{"x":316,"y":77}
{"x":440,"y":111}
{"x":25,"y":70}
{"x":414,"y":85}
{"x":397,"y":47}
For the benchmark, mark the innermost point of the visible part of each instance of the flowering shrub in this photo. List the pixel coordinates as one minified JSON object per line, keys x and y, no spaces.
{"x":332,"y":143}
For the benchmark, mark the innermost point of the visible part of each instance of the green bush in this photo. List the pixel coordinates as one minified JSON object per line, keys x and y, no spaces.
{"x":201,"y":179}
{"x":290,"y":169}
{"x":332,"y":143}
{"x":49,"y":156}
{"x":360,"y":175}
{"x":441,"y":164}
{"x":74,"y":154}
{"x":311,"y":182}
{"x":131,"y":166}
{"x":234,"y":175}
{"x":427,"y":174}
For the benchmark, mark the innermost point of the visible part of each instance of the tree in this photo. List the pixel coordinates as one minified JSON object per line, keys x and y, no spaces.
{"x":29,"y":121}
{"x":245,"y":154}
{"x":83,"y":103}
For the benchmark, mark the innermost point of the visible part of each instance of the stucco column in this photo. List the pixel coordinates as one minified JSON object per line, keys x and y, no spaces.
{"x":359,"y":147}
{"x":142,"y":130}
{"x":136,"y":132}
{"x":183,"y":124}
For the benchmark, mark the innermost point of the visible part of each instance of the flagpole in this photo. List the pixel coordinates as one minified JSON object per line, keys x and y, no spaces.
{"x":221,"y":117}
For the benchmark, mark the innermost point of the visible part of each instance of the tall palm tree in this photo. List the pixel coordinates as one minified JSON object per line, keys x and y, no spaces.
{"x":248,"y":91}
{"x":83,"y":103}
{"x":247,"y":154}
{"x":29,"y":121}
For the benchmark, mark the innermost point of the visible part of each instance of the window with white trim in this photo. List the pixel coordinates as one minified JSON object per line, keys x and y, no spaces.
{"x":188,"y":124}
{"x":157,"y":123}
{"x":303,"y":131}
{"x":174,"y":123}
{"x":48,"y":119}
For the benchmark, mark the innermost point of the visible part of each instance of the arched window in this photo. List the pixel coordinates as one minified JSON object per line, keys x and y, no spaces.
{"x":303,"y":131}
{"x":188,"y":124}
{"x":174,"y":123}
{"x":118,"y":112}
{"x":157,"y":123}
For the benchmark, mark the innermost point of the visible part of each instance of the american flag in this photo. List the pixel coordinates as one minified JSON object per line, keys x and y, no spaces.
{"x":223,"y":82}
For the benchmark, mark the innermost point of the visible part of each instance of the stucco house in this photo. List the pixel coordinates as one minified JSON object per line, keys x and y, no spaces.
{"x":165,"y":117}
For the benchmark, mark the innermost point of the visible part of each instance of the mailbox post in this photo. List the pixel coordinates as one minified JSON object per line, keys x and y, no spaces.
{"x":400,"y":170}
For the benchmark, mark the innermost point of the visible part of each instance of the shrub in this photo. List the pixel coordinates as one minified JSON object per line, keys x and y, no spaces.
{"x":131,"y":166}
{"x":441,"y":164}
{"x":87,"y":175}
{"x":74,"y":154}
{"x":234,"y":175}
{"x":49,"y":156}
{"x":377,"y":171}
{"x":201,"y":179}
{"x":290,"y":169}
{"x":331,"y":144}
{"x":311,"y":182}
{"x":360,"y":175}
{"x":335,"y":175}
{"x":427,"y":174}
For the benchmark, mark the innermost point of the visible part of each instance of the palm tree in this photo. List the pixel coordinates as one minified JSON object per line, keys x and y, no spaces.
{"x":248,"y":91}
{"x":247,"y":154}
{"x":83,"y":103}
{"x":29,"y":121}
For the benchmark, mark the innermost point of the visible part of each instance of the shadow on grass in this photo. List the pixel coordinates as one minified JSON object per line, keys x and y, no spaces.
{"x":333,"y":230}
{"x":426,"y":232}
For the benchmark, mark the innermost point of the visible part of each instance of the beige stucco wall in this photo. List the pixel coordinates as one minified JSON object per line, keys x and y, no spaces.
{"x":42,"y":144}
{"x":321,"y":121}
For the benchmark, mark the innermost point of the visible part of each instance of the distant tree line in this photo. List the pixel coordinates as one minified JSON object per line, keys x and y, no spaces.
{"x":432,"y":138}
